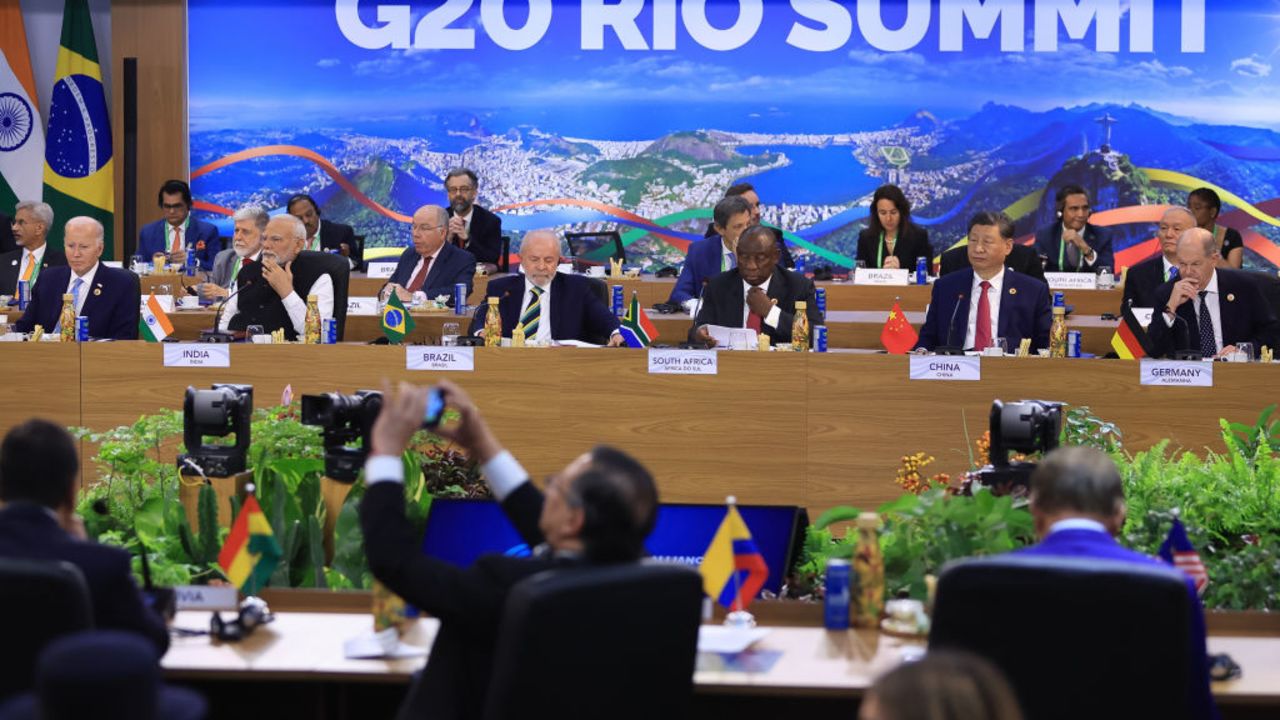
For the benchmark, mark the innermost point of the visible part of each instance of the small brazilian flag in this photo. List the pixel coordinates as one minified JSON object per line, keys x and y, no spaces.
{"x":251,"y":552}
{"x":396,"y":321}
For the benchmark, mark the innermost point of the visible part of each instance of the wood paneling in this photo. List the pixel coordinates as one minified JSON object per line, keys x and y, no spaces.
{"x":44,"y":381}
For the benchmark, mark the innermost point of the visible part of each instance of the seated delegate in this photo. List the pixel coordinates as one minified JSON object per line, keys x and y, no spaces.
{"x":891,"y":240}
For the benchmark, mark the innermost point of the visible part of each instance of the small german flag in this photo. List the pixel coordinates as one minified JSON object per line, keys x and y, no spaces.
{"x":1130,"y":340}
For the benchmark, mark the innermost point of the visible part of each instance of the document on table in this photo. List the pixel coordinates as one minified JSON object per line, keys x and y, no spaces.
{"x":728,"y":338}
{"x":722,"y":639}
{"x":385,"y":645}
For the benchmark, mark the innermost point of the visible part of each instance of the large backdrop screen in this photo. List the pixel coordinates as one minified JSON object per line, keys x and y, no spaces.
{"x":636,"y":115}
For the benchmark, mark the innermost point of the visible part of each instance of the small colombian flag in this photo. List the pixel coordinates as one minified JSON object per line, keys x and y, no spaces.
{"x":733,"y":570}
{"x":396,"y":321}
{"x":898,"y":336}
{"x":251,"y":552}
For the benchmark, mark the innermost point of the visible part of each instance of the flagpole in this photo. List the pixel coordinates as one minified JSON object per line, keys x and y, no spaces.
{"x":738,"y":617}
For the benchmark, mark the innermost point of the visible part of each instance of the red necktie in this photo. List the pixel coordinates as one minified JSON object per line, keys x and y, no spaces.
{"x":982,"y":329}
{"x":754,"y":321}
{"x":416,"y":283}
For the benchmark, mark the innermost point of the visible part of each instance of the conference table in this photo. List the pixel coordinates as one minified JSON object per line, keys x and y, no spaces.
{"x":808,"y":429}
{"x":797,"y":661}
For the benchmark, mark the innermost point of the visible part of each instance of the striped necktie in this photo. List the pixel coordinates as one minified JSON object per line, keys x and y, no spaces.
{"x":533,"y":313}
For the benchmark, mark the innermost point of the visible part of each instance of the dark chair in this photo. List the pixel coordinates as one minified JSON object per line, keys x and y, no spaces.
{"x":606,"y":641}
{"x":600,"y":289}
{"x":39,"y":601}
{"x":357,"y":252}
{"x":504,"y":255}
{"x":338,"y":270}
{"x":582,"y":244}
{"x":1269,"y":284}
{"x":105,"y":675}
{"x":1077,"y":637}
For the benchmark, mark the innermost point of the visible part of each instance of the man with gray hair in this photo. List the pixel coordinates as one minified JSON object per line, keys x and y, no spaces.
{"x":1077,"y":503}
{"x":1206,"y":309}
{"x":246,"y":246}
{"x":548,"y":305}
{"x":273,"y":293}
{"x":109,"y":297}
{"x":31,"y":223}
{"x":1142,"y":279}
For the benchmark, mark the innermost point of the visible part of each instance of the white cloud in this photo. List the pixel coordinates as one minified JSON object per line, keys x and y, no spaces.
{"x":395,"y":62}
{"x":328,"y":62}
{"x":1159,"y":69}
{"x":873,"y":57}
{"x":1251,"y":67}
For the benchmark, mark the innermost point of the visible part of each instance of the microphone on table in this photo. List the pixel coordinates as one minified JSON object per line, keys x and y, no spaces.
{"x":693,"y":324}
{"x":162,"y":600}
{"x":217,"y":334}
{"x":1185,"y":351}
{"x":950,"y":349}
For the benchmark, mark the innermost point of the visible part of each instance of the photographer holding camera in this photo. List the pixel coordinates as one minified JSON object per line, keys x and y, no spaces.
{"x":598,"y":509}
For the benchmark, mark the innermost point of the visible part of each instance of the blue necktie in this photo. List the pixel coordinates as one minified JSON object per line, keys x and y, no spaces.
{"x":75,"y":302}
{"x":1208,"y":347}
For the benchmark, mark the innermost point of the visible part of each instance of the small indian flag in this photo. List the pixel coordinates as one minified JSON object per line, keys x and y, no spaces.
{"x":251,"y":552}
{"x":153,"y":323}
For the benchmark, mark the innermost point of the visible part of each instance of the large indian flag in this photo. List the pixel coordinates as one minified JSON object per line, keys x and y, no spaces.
{"x":21,"y":129}
{"x":78,"y":166}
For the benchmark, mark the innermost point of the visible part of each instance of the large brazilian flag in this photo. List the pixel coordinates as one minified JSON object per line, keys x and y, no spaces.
{"x":78,"y":168}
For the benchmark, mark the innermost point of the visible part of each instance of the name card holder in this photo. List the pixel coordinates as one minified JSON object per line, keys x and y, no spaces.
{"x":882,"y":276}
{"x":362,"y":306}
{"x":666,"y":361}
{"x":381,"y":270}
{"x":946,"y":367}
{"x":1176,"y":373}
{"x":198,"y":355}
{"x":446,"y":359}
{"x":1071,"y":280}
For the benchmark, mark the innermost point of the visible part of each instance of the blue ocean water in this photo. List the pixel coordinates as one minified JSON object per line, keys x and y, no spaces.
{"x":827,"y":175}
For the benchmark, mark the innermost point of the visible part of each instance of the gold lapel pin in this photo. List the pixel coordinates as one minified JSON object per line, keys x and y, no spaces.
{"x":1231,"y":297}
{"x":1013,"y":291}
{"x":97,"y":291}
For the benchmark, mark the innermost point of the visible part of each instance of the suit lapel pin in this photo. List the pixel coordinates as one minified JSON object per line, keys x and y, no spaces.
{"x":13,"y":262}
{"x":1231,"y":297}
{"x":1013,"y":291}
{"x":97,"y":291}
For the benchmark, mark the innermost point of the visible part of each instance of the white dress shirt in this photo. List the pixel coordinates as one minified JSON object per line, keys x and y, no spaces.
{"x":85,"y":288}
{"x":182,"y":235}
{"x":1071,"y":524}
{"x":503,"y":473}
{"x":466,"y":221}
{"x":543,"y":334}
{"x":775,"y":313}
{"x":296,"y":306}
{"x":1211,"y":301}
{"x":993,"y":298}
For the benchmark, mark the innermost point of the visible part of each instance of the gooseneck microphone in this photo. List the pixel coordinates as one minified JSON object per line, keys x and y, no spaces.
{"x":217,"y":334}
{"x":162,"y":600}
{"x":950,"y":349}
{"x":693,"y":323}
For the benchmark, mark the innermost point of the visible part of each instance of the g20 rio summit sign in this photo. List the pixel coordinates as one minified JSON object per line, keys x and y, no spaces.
{"x":815,"y":25}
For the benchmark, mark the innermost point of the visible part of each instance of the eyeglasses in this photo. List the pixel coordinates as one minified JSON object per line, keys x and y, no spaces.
{"x":426,"y":228}
{"x":460,"y":189}
{"x":174,"y":206}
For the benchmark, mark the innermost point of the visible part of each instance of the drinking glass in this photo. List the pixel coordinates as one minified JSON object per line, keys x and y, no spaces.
{"x":449,"y":334}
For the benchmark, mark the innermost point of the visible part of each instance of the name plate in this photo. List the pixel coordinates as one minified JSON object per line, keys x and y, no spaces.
{"x":431,"y":357}
{"x":200,"y":355}
{"x":1071,"y":281}
{"x":882,"y":276}
{"x":205,"y":597}
{"x":362,"y":306}
{"x":946,"y":367}
{"x":682,"y":362}
{"x":380,"y":269}
{"x":1180,"y":373}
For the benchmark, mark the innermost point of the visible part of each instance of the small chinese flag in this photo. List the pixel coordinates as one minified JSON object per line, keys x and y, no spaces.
{"x":898,"y":336}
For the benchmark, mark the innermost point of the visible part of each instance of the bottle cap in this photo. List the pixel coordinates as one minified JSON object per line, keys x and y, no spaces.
{"x":801,"y":304}
{"x":493,"y":300}
{"x":313,"y":298}
{"x":868,"y":521}
{"x":68,"y":297}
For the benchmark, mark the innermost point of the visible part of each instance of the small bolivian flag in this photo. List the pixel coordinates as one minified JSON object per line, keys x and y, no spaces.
{"x":396,"y":321}
{"x":251,"y":552}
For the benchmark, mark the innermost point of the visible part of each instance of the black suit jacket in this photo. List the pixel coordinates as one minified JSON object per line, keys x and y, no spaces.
{"x":333,"y":234}
{"x":1022,"y":259}
{"x":1246,"y":317}
{"x":1049,"y":242}
{"x":484,"y":237}
{"x":723,"y":302}
{"x":7,"y":242}
{"x":29,"y":531}
{"x":784,"y":254}
{"x":451,"y":266}
{"x":467,"y":601}
{"x":913,"y":242}
{"x":1142,"y":281}
{"x":577,"y":312}
{"x":11,"y":266}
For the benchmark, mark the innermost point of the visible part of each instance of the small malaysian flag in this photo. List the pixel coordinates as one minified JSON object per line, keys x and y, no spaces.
{"x":1178,"y":552}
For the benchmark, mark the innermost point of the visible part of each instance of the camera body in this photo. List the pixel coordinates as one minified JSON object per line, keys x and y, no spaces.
{"x":1025,"y":426}
{"x":223,"y":410}
{"x":344,"y":420}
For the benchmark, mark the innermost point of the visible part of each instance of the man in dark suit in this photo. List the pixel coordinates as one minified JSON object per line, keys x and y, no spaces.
{"x":1143,"y":279}
{"x":472,"y":227}
{"x":1022,"y":258}
{"x":108,"y":296}
{"x":323,"y":235}
{"x":7,"y":243}
{"x":30,"y":227}
{"x":1009,"y":305}
{"x":757,"y":294}
{"x":713,"y":255}
{"x":1077,"y":503}
{"x":177,"y":233}
{"x":747,"y":191}
{"x":431,"y":266}
{"x":1073,"y":245}
{"x":1209,"y":309}
{"x":273,"y":293}
{"x":597,"y":510}
{"x":39,"y":471}
{"x":246,"y":249}
{"x":549,"y":305}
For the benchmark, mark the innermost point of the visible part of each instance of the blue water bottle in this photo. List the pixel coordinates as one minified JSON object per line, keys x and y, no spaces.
{"x":617,"y":300}
{"x":922,"y":271}
{"x":836,"y":598}
{"x":820,"y":300}
{"x":1059,"y":299}
{"x":801,"y":264}
{"x":24,"y":294}
{"x":459,"y":298}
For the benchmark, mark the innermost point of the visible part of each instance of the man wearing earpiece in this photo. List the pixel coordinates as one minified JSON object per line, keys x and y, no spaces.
{"x":597,"y":510}
{"x":1071,"y":244}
